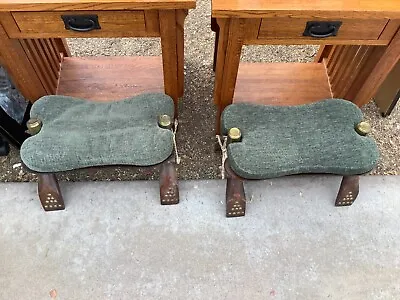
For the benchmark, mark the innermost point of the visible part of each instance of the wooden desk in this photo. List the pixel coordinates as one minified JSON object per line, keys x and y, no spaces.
{"x":34,"y":52}
{"x":362,"y":52}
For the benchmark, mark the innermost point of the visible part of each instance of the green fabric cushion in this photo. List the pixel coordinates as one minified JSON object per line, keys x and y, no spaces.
{"x":78,"y":133}
{"x":312,"y":138}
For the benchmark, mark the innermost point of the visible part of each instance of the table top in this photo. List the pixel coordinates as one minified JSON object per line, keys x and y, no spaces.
{"x":60,"y":5}
{"x":256,"y":8}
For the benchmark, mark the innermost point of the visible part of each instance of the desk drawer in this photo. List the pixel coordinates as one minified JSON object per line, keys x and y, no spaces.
{"x":51,"y":24}
{"x":293,"y":28}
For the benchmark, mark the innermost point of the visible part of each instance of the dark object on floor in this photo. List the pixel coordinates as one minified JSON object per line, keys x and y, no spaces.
{"x":272,"y":141}
{"x":14,"y":112}
{"x":69,"y":133}
{"x":4,"y":147}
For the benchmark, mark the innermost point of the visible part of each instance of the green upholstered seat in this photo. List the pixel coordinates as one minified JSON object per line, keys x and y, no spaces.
{"x":312,"y":138}
{"x":78,"y":133}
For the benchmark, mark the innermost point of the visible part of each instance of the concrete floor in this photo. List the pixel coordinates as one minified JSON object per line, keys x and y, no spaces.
{"x":114,"y":241}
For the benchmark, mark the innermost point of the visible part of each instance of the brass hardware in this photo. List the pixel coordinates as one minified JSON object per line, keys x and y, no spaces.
{"x":34,"y":125}
{"x":363,"y":128}
{"x":165,"y":121}
{"x":234,"y":135}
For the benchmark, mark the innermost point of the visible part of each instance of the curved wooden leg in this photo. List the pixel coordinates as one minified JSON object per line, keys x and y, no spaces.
{"x":169,"y":190}
{"x":49,"y":192}
{"x":235,"y":197}
{"x":348,"y":191}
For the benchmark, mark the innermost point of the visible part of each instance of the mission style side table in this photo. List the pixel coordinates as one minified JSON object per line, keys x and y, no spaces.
{"x":363,"y":39}
{"x":33,"y":49}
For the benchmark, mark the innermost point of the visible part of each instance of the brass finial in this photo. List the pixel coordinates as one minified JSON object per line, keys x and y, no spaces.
{"x":165,"y":121}
{"x":34,"y":125}
{"x":363,"y":128}
{"x":234,"y":134}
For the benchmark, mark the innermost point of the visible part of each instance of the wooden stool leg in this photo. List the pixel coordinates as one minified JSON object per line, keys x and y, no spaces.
{"x":49,"y":192}
{"x":235,"y":197}
{"x":348,"y":191}
{"x":169,"y":190}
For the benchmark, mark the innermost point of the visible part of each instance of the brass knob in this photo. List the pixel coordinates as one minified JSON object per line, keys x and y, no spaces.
{"x":234,"y":135}
{"x":34,"y":125}
{"x":363,"y":128}
{"x":165,"y":121}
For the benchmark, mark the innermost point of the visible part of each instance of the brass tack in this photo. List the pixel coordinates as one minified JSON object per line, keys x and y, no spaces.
{"x":363,"y":128}
{"x":34,"y":125}
{"x":234,"y":134}
{"x":165,"y":121}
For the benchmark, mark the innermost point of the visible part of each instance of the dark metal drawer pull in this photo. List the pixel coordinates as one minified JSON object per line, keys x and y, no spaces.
{"x":322,"y":29}
{"x":81,"y":23}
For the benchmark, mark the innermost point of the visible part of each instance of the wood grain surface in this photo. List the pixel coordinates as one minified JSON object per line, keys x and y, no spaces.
{"x":281,"y":83}
{"x":110,"y":78}
{"x":55,"y":5}
{"x":306,"y":8}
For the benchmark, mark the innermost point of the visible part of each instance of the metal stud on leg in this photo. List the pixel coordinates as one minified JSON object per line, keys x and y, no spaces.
{"x":49,"y":192}
{"x":348,"y":191}
{"x":169,"y":190}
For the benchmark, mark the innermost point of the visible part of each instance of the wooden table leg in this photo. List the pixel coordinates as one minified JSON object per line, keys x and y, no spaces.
{"x":168,"y":32}
{"x":180,"y":37}
{"x":389,"y":92}
{"x":230,"y":44}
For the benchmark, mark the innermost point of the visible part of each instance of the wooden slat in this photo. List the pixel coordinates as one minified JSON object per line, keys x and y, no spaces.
{"x":344,"y":72}
{"x":334,"y":60}
{"x":62,"y":47}
{"x":17,"y":63}
{"x":110,"y":78}
{"x":389,"y":59}
{"x":281,"y":83}
{"x":41,"y":55}
{"x":354,"y":70}
{"x":52,"y":61}
{"x":38,"y":65}
{"x":372,"y":56}
{"x":323,"y":52}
